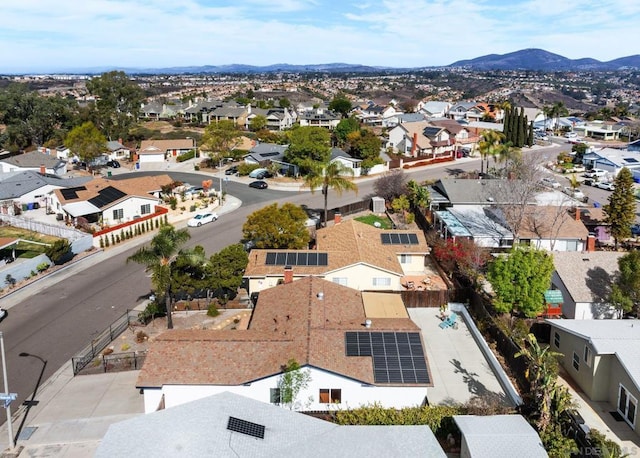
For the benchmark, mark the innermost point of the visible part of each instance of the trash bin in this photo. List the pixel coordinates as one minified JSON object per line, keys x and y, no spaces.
{"x":109,"y":173}
{"x":137,"y":165}
{"x":30,"y":206}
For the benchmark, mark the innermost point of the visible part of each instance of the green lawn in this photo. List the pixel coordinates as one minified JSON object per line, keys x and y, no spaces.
{"x":372,"y":219}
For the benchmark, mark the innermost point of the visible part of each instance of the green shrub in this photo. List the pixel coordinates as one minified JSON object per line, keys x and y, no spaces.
{"x":556,"y":443}
{"x":607,"y":447}
{"x":212,"y":310}
{"x":245,"y":169}
{"x":186,"y":156}
{"x":42,"y":266}
{"x":193,"y":208}
{"x":101,"y":242}
{"x":59,"y":252}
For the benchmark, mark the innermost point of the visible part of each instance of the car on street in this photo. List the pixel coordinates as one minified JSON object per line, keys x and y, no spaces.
{"x":202,"y":218}
{"x":551,"y":182}
{"x":635,"y":229}
{"x":113,"y":163}
{"x":3,"y":314}
{"x":257,"y":173}
{"x":575,"y":193}
{"x":259,"y":184}
{"x":606,"y":185}
{"x":570,"y":135}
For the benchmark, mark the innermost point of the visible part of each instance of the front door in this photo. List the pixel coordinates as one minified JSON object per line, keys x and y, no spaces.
{"x":627,"y":405}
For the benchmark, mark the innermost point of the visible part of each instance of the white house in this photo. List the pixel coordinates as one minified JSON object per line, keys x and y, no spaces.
{"x":320,"y":325}
{"x":117,"y":151}
{"x":613,"y":160}
{"x":34,"y":160}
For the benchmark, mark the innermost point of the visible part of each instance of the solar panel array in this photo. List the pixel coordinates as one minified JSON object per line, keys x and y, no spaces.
{"x":106,"y":196}
{"x":294,"y":258}
{"x":398,"y":357}
{"x":72,"y":193}
{"x":393,"y":238}
{"x":245,"y":427}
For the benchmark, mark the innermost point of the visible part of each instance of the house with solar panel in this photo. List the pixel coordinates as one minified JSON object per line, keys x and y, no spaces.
{"x":352,"y":254}
{"x":110,"y":202}
{"x":357,"y":349}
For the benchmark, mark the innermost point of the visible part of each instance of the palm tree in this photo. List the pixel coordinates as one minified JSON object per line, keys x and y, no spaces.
{"x":329,"y":175}
{"x":489,"y":145}
{"x":158,"y":259}
{"x":557,"y":110}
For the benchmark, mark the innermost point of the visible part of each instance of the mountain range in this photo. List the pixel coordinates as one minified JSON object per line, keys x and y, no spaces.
{"x":525,"y":59}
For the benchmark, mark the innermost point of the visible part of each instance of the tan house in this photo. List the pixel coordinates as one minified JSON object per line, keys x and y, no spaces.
{"x":351,"y":254}
{"x":601,"y":356}
{"x":159,"y":150}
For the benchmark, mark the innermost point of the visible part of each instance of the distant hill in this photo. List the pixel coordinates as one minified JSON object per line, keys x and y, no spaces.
{"x":274,"y":68}
{"x":541,"y":60}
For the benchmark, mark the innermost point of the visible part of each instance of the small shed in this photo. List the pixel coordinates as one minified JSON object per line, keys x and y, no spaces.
{"x":378,"y":204}
{"x":553,"y":300}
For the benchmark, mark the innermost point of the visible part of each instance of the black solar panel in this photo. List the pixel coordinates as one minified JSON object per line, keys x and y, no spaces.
{"x":398,"y":357}
{"x":294,"y":258}
{"x":245,"y":427}
{"x":72,"y":193}
{"x":106,"y":196}
{"x":394,"y":238}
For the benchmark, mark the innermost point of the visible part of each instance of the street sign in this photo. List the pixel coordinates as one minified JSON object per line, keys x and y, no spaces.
{"x":7,"y":398}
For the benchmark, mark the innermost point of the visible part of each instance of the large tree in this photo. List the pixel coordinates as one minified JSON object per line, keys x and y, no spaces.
{"x":340,"y":104}
{"x":226,"y":268}
{"x":86,"y":141}
{"x":620,"y":212}
{"x":365,"y":145}
{"x":118,"y":102}
{"x":158,"y":258}
{"x":220,"y":138}
{"x":332,"y":175}
{"x":278,"y":227}
{"x":308,"y":144}
{"x":391,"y":184}
{"x":625,"y":291}
{"x":519,"y":280}
{"x":344,"y":128}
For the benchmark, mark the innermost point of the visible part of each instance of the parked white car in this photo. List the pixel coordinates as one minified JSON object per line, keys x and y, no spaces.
{"x":595,"y":173}
{"x":202,"y":218}
{"x":606,"y":185}
{"x":550,"y":181}
{"x":575,"y":193}
{"x":570,"y":135}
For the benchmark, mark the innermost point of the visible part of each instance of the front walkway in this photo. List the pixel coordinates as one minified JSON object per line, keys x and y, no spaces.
{"x":459,"y":369}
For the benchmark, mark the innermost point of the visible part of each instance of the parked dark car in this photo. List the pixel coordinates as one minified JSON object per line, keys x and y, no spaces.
{"x":263,"y":175}
{"x":259,"y":184}
{"x":231,"y":170}
{"x":113,"y":163}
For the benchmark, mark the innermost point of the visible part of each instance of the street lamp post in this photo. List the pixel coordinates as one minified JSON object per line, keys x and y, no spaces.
{"x":6,"y":396}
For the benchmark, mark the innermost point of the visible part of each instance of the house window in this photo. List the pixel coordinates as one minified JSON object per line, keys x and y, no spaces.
{"x":340,"y":280}
{"x":576,"y":361}
{"x":330,"y":396}
{"x":572,"y":245}
{"x":587,"y":355}
{"x":145,"y":209}
{"x":627,"y":405}
{"x":118,"y":213}
{"x":381,"y":281}
{"x":405,"y":259}
{"x":275,"y":396}
{"x":556,"y":339}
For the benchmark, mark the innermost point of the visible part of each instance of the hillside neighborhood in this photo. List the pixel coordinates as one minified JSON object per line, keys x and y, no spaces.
{"x":410,"y":276}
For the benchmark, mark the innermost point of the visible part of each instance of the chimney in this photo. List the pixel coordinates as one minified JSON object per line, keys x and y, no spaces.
{"x":591,"y":243}
{"x":288,"y":274}
{"x":43,"y":170}
{"x":414,"y":144}
{"x":578,"y":213}
{"x":337,"y":218}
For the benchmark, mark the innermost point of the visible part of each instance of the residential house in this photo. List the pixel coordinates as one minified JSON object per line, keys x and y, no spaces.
{"x":110,"y":202}
{"x":28,"y":188}
{"x":347,"y":160}
{"x":473,"y":222}
{"x":157,"y":110}
{"x":461,"y":135}
{"x":319,"y":117}
{"x":585,"y":280}
{"x":34,"y":160}
{"x":159,"y":150}
{"x":265,"y":153}
{"x":466,"y":111}
{"x":634,"y":146}
{"x":351,"y":254}
{"x":498,"y":436}
{"x":379,"y":115}
{"x":442,"y":142}
{"x":199,"y":112}
{"x":594,"y":219}
{"x":277,"y":118}
{"x":553,"y":228}
{"x":433,"y":109}
{"x":230,"y":112}
{"x":613,"y":160}
{"x":409,"y":139}
{"x":229,"y":425}
{"x":117,"y":151}
{"x":600,"y":130}
{"x":411,"y":117}
{"x":601,"y":356}
{"x":319,"y":324}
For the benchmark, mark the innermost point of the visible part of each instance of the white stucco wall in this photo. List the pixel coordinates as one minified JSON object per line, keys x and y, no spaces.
{"x":354,"y":393}
{"x":131,"y":208}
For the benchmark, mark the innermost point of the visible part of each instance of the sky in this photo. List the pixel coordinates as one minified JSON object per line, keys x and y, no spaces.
{"x":62,"y":35}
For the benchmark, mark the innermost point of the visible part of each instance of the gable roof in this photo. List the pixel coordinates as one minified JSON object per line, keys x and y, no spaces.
{"x":551,"y":222}
{"x":500,"y":436}
{"x":33,"y":160}
{"x":20,"y":182}
{"x":465,"y":191}
{"x":587,"y":276}
{"x":200,"y":428}
{"x":165,"y":145}
{"x":305,"y":320}
{"x":451,"y":125}
{"x":267,"y":151}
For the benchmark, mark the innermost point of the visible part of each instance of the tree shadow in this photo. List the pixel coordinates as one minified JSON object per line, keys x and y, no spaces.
{"x":599,"y":282}
{"x":476,"y":387}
